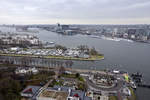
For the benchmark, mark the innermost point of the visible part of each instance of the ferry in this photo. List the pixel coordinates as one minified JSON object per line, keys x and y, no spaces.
{"x":110,"y":38}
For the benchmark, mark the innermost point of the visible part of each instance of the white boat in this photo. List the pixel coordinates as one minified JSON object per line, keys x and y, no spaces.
{"x":95,"y":36}
{"x":51,"y":42}
{"x":110,"y":38}
{"x":133,"y":85}
{"x":126,"y":40}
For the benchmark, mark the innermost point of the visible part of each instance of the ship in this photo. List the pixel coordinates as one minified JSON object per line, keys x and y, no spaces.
{"x":110,"y":38}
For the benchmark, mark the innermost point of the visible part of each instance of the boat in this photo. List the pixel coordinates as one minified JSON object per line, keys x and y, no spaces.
{"x":95,"y":36}
{"x":110,"y":38}
{"x":137,"y":74}
{"x":51,"y":42}
{"x":144,"y":85}
{"x":133,"y":85}
{"x":116,"y":71}
{"x":126,"y":40}
{"x":137,"y":77}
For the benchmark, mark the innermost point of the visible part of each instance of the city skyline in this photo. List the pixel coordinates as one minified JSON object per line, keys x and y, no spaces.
{"x":75,"y":12}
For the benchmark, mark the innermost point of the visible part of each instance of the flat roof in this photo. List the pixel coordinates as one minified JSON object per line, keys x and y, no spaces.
{"x":58,"y":95}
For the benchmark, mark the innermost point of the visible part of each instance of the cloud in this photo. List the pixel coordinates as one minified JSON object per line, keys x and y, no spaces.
{"x":73,"y":11}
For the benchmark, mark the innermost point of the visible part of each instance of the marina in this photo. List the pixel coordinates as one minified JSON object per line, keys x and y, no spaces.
{"x":124,"y":49}
{"x":127,"y":55}
{"x":74,"y":50}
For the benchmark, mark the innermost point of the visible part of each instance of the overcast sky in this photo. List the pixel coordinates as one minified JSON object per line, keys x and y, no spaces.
{"x":75,"y":11}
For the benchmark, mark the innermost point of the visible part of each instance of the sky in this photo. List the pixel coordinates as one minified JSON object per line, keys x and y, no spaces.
{"x":75,"y":11}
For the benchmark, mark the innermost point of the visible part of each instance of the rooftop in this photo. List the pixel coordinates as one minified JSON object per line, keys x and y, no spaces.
{"x":31,"y":89}
{"x":58,"y":95}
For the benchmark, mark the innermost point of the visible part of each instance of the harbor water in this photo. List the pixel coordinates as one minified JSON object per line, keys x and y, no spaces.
{"x":129,"y":56}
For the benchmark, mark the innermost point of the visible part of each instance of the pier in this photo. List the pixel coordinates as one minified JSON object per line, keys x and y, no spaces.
{"x":137,"y":77}
{"x":144,"y":85}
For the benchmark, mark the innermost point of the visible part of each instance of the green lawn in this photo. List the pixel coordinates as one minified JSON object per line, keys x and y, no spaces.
{"x":92,"y":58}
{"x":113,"y":98}
{"x":39,"y":77}
{"x":69,"y":75}
{"x":133,"y":96}
{"x":54,"y":82}
{"x":7,"y":65}
{"x":80,"y":78}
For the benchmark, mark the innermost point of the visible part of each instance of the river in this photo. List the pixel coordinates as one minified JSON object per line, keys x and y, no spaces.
{"x":124,"y":55}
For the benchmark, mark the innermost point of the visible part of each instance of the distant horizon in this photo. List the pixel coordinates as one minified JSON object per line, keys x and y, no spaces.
{"x":68,"y":24}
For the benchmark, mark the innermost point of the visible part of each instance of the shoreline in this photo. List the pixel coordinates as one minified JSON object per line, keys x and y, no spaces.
{"x":93,"y":58}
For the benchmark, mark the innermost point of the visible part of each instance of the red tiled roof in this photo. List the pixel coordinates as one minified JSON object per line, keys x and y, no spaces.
{"x":28,"y":90}
{"x":76,"y":95}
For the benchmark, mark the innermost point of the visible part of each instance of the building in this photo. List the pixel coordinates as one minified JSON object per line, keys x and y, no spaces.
{"x":115,"y":31}
{"x":67,"y":93}
{"x":132,"y":36}
{"x":7,"y":29}
{"x":70,"y":32}
{"x":50,"y":94}
{"x":97,"y":95}
{"x":29,"y":91}
{"x":14,"y":48}
{"x":19,"y":39}
{"x":54,"y":93}
{"x":26,"y":70}
{"x":65,"y":27}
{"x":144,"y":38}
{"x":131,"y":31}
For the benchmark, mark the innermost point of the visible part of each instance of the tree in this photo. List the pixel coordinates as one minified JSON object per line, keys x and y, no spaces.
{"x":25,"y":61}
{"x":77,"y":75}
{"x":10,"y":89}
{"x":61,"y":47}
{"x":93,"y":51}
{"x":82,"y":86}
{"x":69,"y":63}
{"x":61,"y":70}
{"x":66,"y":63}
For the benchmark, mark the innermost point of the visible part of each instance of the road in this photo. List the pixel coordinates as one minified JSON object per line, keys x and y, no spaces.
{"x":117,"y":87}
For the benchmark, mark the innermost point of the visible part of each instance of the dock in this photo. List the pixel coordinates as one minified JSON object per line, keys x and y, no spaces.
{"x":144,"y":85}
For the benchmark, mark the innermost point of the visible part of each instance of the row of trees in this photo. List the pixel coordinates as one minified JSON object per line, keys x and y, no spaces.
{"x":27,"y":61}
{"x":49,"y":62}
